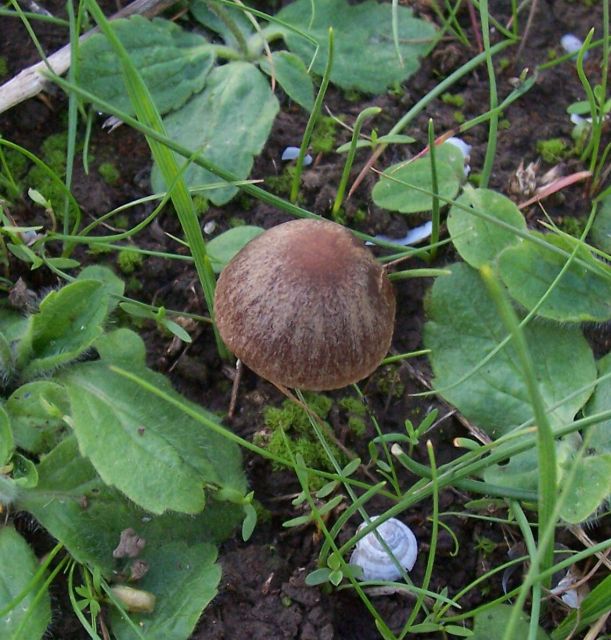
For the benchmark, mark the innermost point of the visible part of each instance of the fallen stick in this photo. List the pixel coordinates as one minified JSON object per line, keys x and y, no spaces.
{"x":31,"y":81}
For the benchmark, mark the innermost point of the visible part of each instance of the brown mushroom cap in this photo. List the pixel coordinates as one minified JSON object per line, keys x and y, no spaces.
{"x":306,"y":305}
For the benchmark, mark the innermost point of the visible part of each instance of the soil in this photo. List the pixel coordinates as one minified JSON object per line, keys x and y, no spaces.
{"x":262,"y":593}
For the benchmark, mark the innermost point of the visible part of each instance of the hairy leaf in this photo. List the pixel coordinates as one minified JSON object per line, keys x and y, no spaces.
{"x":291,"y":74}
{"x":582,"y":294}
{"x":184,"y":580}
{"x":477,"y":240}
{"x":600,"y":438}
{"x":30,"y":617}
{"x":600,"y":233}
{"x":37,"y":410}
{"x":174,"y":455}
{"x":72,"y":502}
{"x":491,"y":623}
{"x":464,"y":327}
{"x":68,"y":322}
{"x":7,"y":444}
{"x":174,"y":63}
{"x":365,"y":57}
{"x":228,"y":122}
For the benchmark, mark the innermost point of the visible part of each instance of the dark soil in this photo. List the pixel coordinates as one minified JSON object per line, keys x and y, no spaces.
{"x":262,"y":593}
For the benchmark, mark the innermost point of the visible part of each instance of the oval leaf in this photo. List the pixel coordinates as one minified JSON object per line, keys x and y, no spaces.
{"x":229,"y":122}
{"x":173,"y":63}
{"x":32,"y":615}
{"x":582,"y":294}
{"x":395,"y":190}
{"x":365,"y":57}
{"x":464,"y":327}
{"x":222,"y":248}
{"x":479,"y":241}
{"x":291,"y":74}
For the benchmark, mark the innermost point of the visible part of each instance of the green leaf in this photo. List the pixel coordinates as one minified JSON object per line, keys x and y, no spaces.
{"x":492,"y":622}
{"x":175,"y":456}
{"x":78,"y":509}
{"x":600,"y":234}
{"x":175,"y":329}
{"x":121,"y":346}
{"x":591,"y":486}
{"x":291,"y":74}
{"x":7,"y":444}
{"x":394,"y":190}
{"x":240,"y":109}
{"x":582,"y":294}
{"x":31,"y":616}
{"x":174,"y":63}
{"x":464,"y":327}
{"x":113,"y":285}
{"x":222,"y":248}
{"x":600,"y":438}
{"x":67,"y":324}
{"x":21,"y":252}
{"x":37,"y":411}
{"x":365,"y":57}
{"x":477,"y":240}
{"x":25,"y":474}
{"x":211,"y":21}
{"x":62,"y":263}
{"x":184,"y":580}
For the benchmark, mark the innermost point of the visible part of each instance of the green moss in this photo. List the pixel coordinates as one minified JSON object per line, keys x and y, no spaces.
{"x":201,"y":205}
{"x":324,"y":135}
{"x":573,"y":226}
{"x":281,"y":184}
{"x":3,"y":67}
{"x":290,"y":422}
{"x":54,"y":150}
{"x":504,"y":124}
{"x":553,"y":150}
{"x":453,"y":99}
{"x":504,"y":63}
{"x":235,"y":221}
{"x":389,"y":382}
{"x":121,"y":221}
{"x":110,"y":174}
{"x":360,"y":215}
{"x":459,"y":117}
{"x":352,"y":95}
{"x":128,"y":261}
{"x":356,"y":411}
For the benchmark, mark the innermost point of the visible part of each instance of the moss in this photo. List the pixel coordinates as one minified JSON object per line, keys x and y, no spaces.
{"x":3,"y":67}
{"x":291,"y":422}
{"x":389,"y":382}
{"x":128,"y":261}
{"x":360,"y":215}
{"x":201,"y":205}
{"x":54,"y":150}
{"x":573,"y":226}
{"x":121,"y":221}
{"x":352,"y":95}
{"x":281,"y":184}
{"x":453,"y":99}
{"x":235,"y":221}
{"x":504,"y":124}
{"x":504,"y":63}
{"x":356,"y":411}
{"x":553,"y":150}
{"x":324,"y":135}
{"x":459,"y":117}
{"x":110,"y":174}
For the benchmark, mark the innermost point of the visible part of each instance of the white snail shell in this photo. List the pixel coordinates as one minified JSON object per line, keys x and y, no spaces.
{"x":371,"y":556}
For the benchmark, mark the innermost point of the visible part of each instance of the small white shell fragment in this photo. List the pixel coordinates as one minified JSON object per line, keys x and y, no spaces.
{"x":291,"y":153}
{"x":371,"y":556}
{"x":413,"y":236}
{"x":572,"y":44}
{"x":209,"y":227}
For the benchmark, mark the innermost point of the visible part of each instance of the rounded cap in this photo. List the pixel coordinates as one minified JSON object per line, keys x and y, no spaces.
{"x":305,"y":305}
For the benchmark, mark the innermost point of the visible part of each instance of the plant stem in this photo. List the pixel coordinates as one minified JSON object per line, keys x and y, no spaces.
{"x":435,"y":189}
{"x":546,"y":451}
{"x":307,"y":135}
{"x":494,"y":119}
{"x":341,"y":189}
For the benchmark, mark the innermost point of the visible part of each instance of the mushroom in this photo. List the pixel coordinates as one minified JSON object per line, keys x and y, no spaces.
{"x":305,"y":305}
{"x":373,"y":558}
